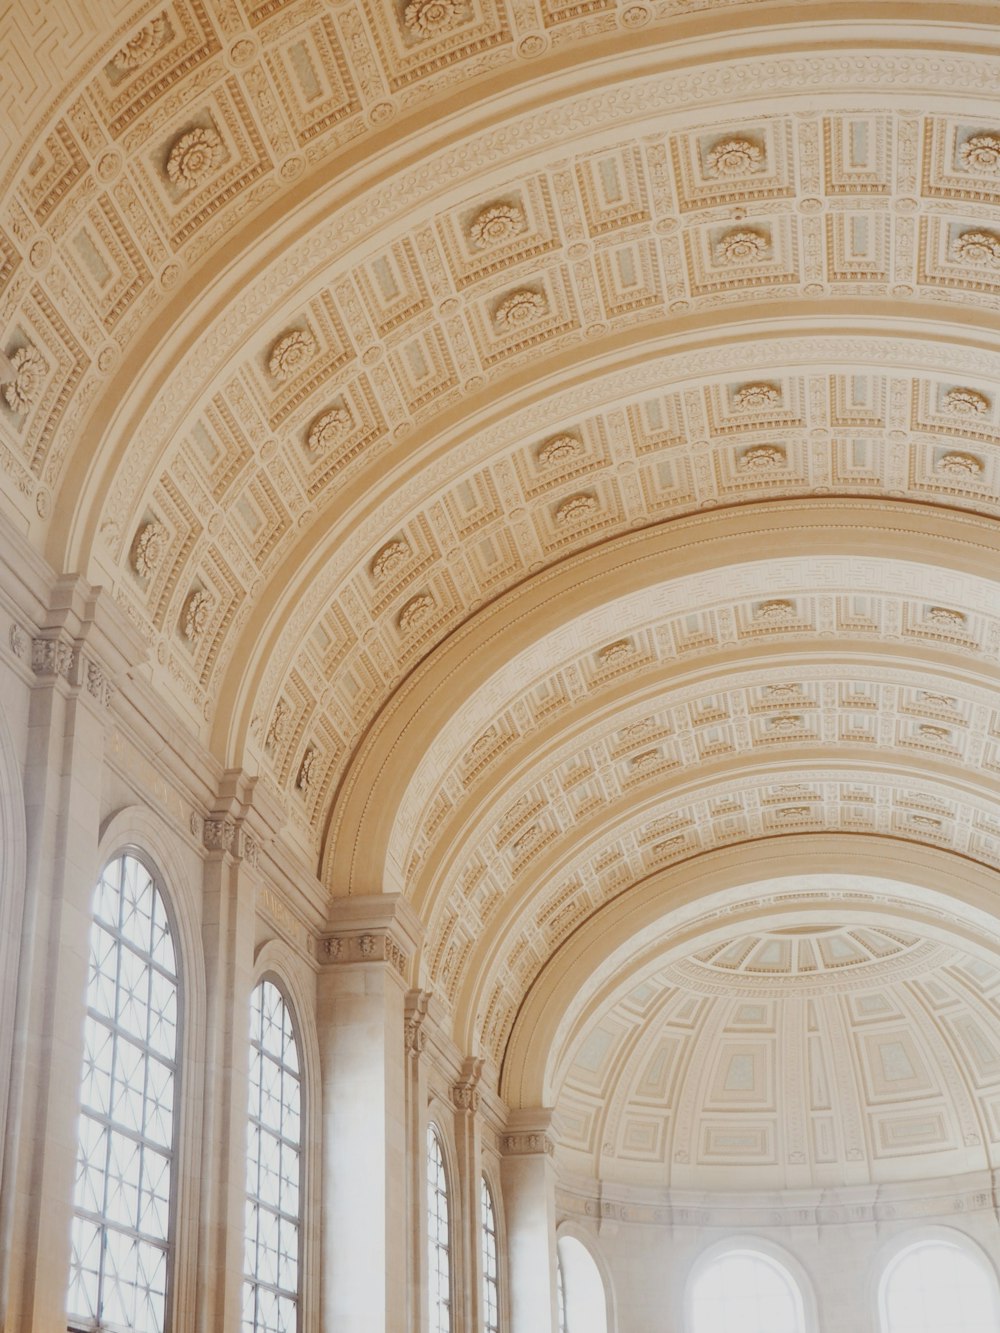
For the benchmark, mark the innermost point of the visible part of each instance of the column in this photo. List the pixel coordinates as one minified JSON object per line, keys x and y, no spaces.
{"x":467,"y":1249}
{"x":528,"y":1177}
{"x":415,"y":1038}
{"x":231,"y":876}
{"x":361,"y":997}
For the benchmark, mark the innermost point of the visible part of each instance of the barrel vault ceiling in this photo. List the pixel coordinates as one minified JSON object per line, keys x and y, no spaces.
{"x":548,"y":444}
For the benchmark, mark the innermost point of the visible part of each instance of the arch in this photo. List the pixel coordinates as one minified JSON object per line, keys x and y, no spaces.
{"x":611,"y":573}
{"x":585,"y":1284}
{"x":611,"y":947}
{"x":936,"y":1278}
{"x":753,"y":1279}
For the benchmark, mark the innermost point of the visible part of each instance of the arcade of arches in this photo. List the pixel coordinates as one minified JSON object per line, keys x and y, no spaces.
{"x":499,"y":587}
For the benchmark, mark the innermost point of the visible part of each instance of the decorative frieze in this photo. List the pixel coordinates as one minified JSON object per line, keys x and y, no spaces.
{"x":527,"y":1144}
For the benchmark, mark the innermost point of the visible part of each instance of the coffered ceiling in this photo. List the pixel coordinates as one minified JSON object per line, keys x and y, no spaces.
{"x":547,"y":443}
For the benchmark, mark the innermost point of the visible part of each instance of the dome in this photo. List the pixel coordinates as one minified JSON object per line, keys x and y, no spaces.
{"x":803,"y":1056}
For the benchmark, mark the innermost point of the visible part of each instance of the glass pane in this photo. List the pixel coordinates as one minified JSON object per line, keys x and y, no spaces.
{"x":271,"y":1233}
{"x":120,"y":1253}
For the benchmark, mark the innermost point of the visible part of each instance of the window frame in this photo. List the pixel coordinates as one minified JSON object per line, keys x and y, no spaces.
{"x":269,"y":977}
{"x":181,"y":1056}
{"x":764,"y":1249}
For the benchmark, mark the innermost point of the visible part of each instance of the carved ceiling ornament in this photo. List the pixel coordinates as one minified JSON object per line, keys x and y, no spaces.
{"x":559,"y":449}
{"x":149,"y":548}
{"x":981,"y":154}
{"x":197,"y":609}
{"x":762,"y":457}
{"x":756,"y":397}
{"x":733,"y":158}
{"x":304,"y":779}
{"x":142,"y":45}
{"x":521,"y":307}
{"x":965,"y":402}
{"x":617,"y":653}
{"x":290,"y":353}
{"x":776,"y":611}
{"x":194,"y":157}
{"x":23,"y":391}
{"x":945,"y":616}
{"x":392,"y":557}
{"x":977,"y":247}
{"x":416,"y":610}
{"x":741,"y":246}
{"x":433,"y":18}
{"x":495,"y":225}
{"x":576,"y":509}
{"x":279,"y":726}
{"x":329,"y":429}
{"x":958,"y":464}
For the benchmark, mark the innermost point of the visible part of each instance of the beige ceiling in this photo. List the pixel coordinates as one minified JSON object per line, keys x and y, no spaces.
{"x":547,"y":442}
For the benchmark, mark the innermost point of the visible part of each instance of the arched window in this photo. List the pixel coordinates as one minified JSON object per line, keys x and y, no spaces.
{"x":939,"y":1285}
{"x":583,"y":1304}
{"x":491,"y":1261}
{"x":271,"y":1263}
{"x":120,"y":1262}
{"x":748,"y":1290}
{"x":438,"y":1243}
{"x":561,"y":1294}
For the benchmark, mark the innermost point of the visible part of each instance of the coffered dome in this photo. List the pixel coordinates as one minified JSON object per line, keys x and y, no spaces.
{"x":803,"y":1056}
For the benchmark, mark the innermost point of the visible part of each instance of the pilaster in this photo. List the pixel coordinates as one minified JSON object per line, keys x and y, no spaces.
{"x":467,"y":1247}
{"x":528,"y":1176}
{"x":78,"y":656}
{"x":361,"y":1018}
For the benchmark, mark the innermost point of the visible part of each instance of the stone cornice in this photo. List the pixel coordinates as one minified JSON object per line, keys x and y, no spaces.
{"x":381,"y":928}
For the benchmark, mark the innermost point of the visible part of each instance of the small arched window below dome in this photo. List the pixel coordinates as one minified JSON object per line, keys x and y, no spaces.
{"x":939,"y":1286}
{"x":748,"y":1290}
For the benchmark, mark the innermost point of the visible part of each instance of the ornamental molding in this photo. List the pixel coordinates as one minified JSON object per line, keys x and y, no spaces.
{"x":495,"y":225}
{"x":732,"y":158}
{"x":142,"y":45}
{"x":291,"y":353}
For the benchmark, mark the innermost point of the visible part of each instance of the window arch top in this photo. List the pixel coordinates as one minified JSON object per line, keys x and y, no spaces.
{"x":941,"y":1285}
{"x":120,"y":1255}
{"x":271,"y":1278}
{"x":438,"y":1237}
{"x":747,"y":1289}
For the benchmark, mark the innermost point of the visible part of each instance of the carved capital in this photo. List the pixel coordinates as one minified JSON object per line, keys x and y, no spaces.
{"x":52,"y":657}
{"x":97,"y":683}
{"x":465,"y":1093}
{"x":369,"y":946}
{"x":414,"y":1036}
{"x":228,"y":835}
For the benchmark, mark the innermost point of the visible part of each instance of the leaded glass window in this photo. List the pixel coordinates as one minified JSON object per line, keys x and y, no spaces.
{"x":561,"y":1293}
{"x":491,"y":1272}
{"x":271,"y":1264}
{"x":120,"y":1260}
{"x":438,"y":1244}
